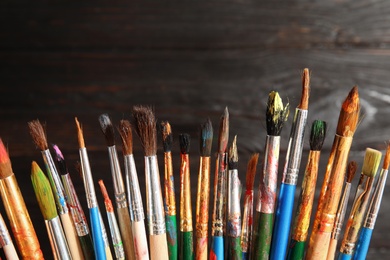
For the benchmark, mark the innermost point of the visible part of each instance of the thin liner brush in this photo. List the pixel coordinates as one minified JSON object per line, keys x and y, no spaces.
{"x":330,"y":194}
{"x":203,"y":194}
{"x":351,"y":170}
{"x":133,"y":193}
{"x":372,"y":213}
{"x":16,"y":210}
{"x":47,"y":205}
{"x":276,"y":115}
{"x":219,"y":215}
{"x":285,"y":206}
{"x":370,"y":166}
{"x":247,"y":220}
{"x":39,"y":137}
{"x":170,"y":203}
{"x":306,"y":198}
{"x":186,"y":247}
{"x":145,"y":123}
{"x":76,"y":210}
{"x":234,"y":208}
{"x":6,"y":241}
{"x":119,"y":187}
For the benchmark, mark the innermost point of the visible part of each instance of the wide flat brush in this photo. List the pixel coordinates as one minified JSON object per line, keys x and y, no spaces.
{"x":145,"y":123}
{"x":15,"y":207}
{"x":6,"y":241}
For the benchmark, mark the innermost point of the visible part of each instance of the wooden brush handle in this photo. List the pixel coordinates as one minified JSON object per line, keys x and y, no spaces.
{"x":332,"y":249}
{"x":140,"y":241}
{"x":126,"y":232}
{"x":201,"y":251}
{"x":10,"y":252}
{"x":158,"y":247}
{"x":320,"y":245}
{"x":71,"y":236}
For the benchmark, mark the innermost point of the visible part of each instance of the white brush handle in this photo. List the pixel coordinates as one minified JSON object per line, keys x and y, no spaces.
{"x":158,"y":247}
{"x":10,"y":252}
{"x":140,"y":241}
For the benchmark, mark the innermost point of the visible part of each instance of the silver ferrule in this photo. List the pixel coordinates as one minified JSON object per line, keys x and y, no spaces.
{"x":116,"y":236}
{"x":154,"y":202}
{"x":234,"y":209}
{"x":57,"y":239}
{"x":294,"y":150}
{"x":104,"y":232}
{"x":133,"y":191}
{"x":338,"y":225}
{"x":87,"y":179}
{"x":218,"y":225}
{"x":55,"y":182}
{"x":247,"y":227}
{"x":376,"y":200}
{"x":5,"y":238}
{"x":119,"y":186}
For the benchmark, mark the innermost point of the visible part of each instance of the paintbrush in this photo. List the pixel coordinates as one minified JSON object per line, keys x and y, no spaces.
{"x":284,"y":210}
{"x":276,"y":115}
{"x":146,"y":129}
{"x":94,"y":214}
{"x":15,"y":207}
{"x":113,"y":224}
{"x":6,"y":241}
{"x":169,"y":185}
{"x":234,"y":208}
{"x":119,"y":187}
{"x":133,"y":192}
{"x":39,"y":137}
{"x":247,"y":220}
{"x":338,"y":224}
{"x":330,"y":194}
{"x":203,"y":194}
{"x":306,"y":198}
{"x":218,"y":217}
{"x":372,"y":213}
{"x":370,"y":166}
{"x":47,"y":205}
{"x":186,"y":248}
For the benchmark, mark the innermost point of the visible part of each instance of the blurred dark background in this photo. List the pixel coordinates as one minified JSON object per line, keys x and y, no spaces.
{"x":189,"y":60}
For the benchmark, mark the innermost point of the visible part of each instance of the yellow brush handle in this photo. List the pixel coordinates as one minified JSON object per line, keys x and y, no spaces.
{"x":10,"y":252}
{"x":320,"y":246}
{"x":141,"y":243}
{"x":332,"y":249}
{"x":71,"y":236}
{"x":158,"y":247}
{"x":126,"y":232}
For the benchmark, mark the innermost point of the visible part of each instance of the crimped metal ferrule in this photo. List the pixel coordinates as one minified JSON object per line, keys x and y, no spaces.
{"x":218,"y":217}
{"x":87,"y":179}
{"x":57,"y":239}
{"x":133,"y":191}
{"x":234,"y":210}
{"x":341,"y":212}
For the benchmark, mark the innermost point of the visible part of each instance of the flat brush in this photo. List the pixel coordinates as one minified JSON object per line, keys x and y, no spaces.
{"x":47,"y":205}
{"x":219,"y":215}
{"x":145,"y":123}
{"x":370,"y":166}
{"x":169,"y":185}
{"x":372,"y":213}
{"x":136,"y":209}
{"x":284,"y":210}
{"x":6,"y":241}
{"x":119,"y":187}
{"x":203,"y":192}
{"x":247,"y":220}
{"x":39,"y":137}
{"x":306,"y":198}
{"x":21,"y":226}
{"x":351,"y":170}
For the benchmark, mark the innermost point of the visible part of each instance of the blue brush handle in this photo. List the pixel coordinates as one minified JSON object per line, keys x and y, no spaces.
{"x":343,"y":256}
{"x":245,"y":255}
{"x":363,"y":244}
{"x":97,"y":235}
{"x":282,"y":223}
{"x":217,"y":248}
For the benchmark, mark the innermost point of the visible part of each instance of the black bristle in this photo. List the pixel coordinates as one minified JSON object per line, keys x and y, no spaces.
{"x":60,"y":160}
{"x":317,"y":135}
{"x":206,"y":140}
{"x":184,"y":140}
{"x":107,"y":129}
{"x":167,"y":136}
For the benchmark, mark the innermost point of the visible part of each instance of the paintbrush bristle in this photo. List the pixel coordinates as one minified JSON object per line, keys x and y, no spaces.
{"x":251,"y":171}
{"x":38,"y":134}
{"x":43,"y":192}
{"x":223,"y":137}
{"x":317,"y":135}
{"x":5,"y":162}
{"x":349,"y":114}
{"x":371,"y":161}
{"x":184,"y":140}
{"x":351,"y":170}
{"x":386,"y":160}
{"x":167,"y":136}
{"x":145,"y":125}
{"x":206,"y":138}
{"x":276,"y":114}
{"x":126,"y":136}
{"x":80,"y":137}
{"x":107,"y":129}
{"x":304,"y":104}
{"x":233,"y":154}
{"x":60,"y":160}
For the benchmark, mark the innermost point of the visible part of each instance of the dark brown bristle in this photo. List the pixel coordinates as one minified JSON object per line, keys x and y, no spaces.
{"x":386,"y":160}
{"x":5,"y":162}
{"x":38,"y":134}
{"x":126,"y":136}
{"x":184,"y":140}
{"x":78,"y":168}
{"x":62,"y":168}
{"x":167,"y":137}
{"x":107,"y":129}
{"x":233,"y":154}
{"x":349,"y":114}
{"x":351,"y":170}
{"x":304,"y":104}
{"x":145,"y":125}
{"x":206,"y":138}
{"x":80,"y":137}
{"x":223,"y":137}
{"x":251,"y":171}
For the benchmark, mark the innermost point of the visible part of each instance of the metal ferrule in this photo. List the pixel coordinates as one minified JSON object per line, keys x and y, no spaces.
{"x":267,"y":188}
{"x":294,"y":150}
{"x":338,"y":225}
{"x":104,"y":232}
{"x":133,"y":191}
{"x":247,"y":226}
{"x":55,"y":182}
{"x":119,"y":186}
{"x":217,"y":224}
{"x":87,"y":179}
{"x":5,"y":238}
{"x":234,"y":210}
{"x":155,"y":208}
{"x":376,"y":201}
{"x":57,"y":239}
{"x":202,"y":199}
{"x":116,"y":236}
{"x":185,"y":195}
{"x":170,"y":203}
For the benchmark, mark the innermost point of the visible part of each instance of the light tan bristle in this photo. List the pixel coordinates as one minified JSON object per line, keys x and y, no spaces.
{"x":80,"y":136}
{"x":38,"y":134}
{"x":304,"y":104}
{"x":372,"y":158}
{"x":251,"y":171}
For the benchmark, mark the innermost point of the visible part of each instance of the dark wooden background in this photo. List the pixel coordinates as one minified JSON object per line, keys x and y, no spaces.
{"x":188,"y":59}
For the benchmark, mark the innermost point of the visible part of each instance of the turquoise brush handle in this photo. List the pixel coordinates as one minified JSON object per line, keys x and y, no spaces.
{"x":217,"y":248}
{"x":363,"y":244}
{"x":245,"y":256}
{"x":343,"y":256}
{"x":97,"y":234}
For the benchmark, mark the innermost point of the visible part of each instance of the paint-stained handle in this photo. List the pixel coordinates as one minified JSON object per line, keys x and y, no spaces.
{"x":296,"y":250}
{"x":343,"y":256}
{"x":261,"y":249}
{"x":217,"y":249}
{"x":140,"y":242}
{"x":170,"y":222}
{"x":235,"y":251}
{"x":363,"y":244}
{"x":71,"y":236}
{"x":320,"y":244}
{"x":186,"y":249}
{"x":158,"y":247}
{"x":97,"y":234}
{"x":87,"y":247}
{"x":126,"y":232}
{"x":201,"y":251}
{"x":332,"y":249}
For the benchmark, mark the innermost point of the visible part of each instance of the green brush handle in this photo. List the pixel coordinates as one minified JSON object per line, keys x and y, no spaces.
{"x":170,"y":222}
{"x":264,"y":236}
{"x":87,"y":247}
{"x":296,"y":250}
{"x":186,"y":249}
{"x":235,"y":251}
